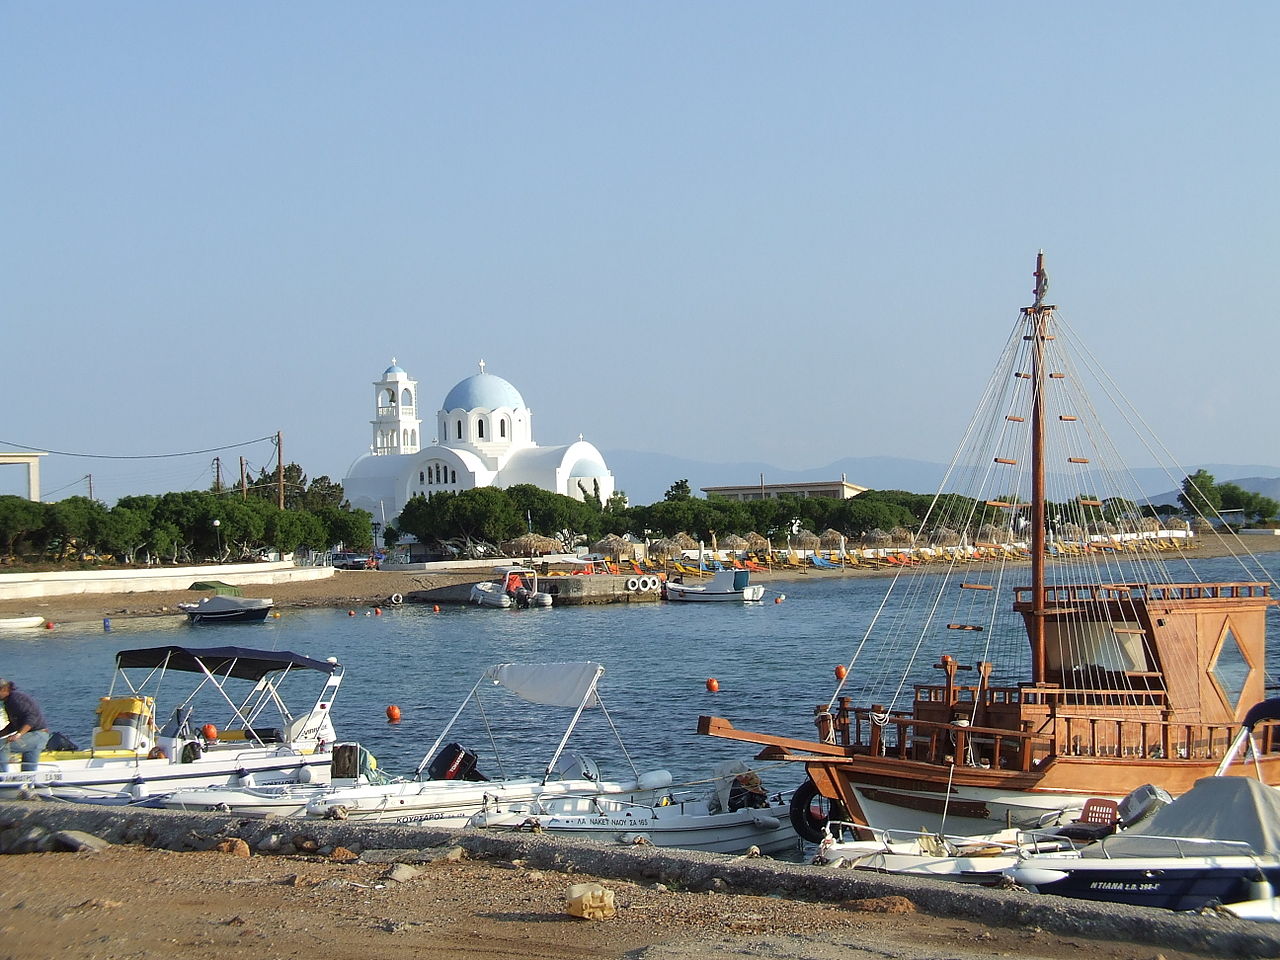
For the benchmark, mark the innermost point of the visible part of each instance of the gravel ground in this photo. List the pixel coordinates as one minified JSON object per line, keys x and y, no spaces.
{"x":365,"y":893}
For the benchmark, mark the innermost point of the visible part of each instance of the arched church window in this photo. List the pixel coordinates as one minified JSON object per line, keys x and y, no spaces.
{"x":406,"y":398}
{"x":502,"y":428}
{"x":422,"y":477}
{"x":405,"y":439}
{"x":437,"y":473}
{"x":459,"y":429}
{"x":413,"y":437}
{"x":455,"y":476}
{"x":391,"y":396}
{"x":479,"y":429}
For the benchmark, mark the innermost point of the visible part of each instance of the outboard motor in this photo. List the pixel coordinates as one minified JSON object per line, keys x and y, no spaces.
{"x":454,"y":762}
{"x":522,"y":597}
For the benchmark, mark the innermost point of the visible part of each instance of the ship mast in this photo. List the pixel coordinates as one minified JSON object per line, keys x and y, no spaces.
{"x":1038,"y":321}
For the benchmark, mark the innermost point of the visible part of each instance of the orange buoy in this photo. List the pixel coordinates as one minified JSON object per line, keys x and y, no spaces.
{"x":393,"y":714}
{"x":275,"y":615}
{"x":435,"y":608}
{"x":209,"y":731}
{"x":377,"y":611}
{"x":777,"y":599}
{"x":351,"y":613}
{"x":48,"y":625}
{"x":841,"y":671}
{"x":713,"y":684}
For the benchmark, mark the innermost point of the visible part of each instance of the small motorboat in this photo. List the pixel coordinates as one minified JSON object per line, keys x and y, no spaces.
{"x":21,"y":623}
{"x":1214,"y":845}
{"x":228,"y":609}
{"x":731,"y":813}
{"x":254,"y":737}
{"x":511,"y":587}
{"x":733,"y":586}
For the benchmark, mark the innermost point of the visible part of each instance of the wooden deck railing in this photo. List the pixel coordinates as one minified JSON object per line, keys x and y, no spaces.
{"x":900,"y":734}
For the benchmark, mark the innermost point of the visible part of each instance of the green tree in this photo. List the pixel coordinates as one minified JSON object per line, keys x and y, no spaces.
{"x":679,"y":490}
{"x":1200,"y":495}
{"x":72,"y":524}
{"x":19,"y":519}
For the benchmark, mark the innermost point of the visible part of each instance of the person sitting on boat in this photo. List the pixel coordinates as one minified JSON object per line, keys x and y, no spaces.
{"x":25,"y":732}
{"x":747,"y":791}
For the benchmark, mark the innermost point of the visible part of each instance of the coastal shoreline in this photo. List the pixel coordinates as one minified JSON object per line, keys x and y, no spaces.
{"x":363,"y":590}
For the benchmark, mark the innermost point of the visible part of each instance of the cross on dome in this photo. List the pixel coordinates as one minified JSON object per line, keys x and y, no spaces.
{"x":482,"y":366}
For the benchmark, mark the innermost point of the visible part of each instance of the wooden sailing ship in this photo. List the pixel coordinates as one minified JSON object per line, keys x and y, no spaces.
{"x":1117,"y":666}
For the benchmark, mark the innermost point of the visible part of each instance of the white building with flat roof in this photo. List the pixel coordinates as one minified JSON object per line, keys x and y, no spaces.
{"x":483,"y":438}
{"x":840,"y":489}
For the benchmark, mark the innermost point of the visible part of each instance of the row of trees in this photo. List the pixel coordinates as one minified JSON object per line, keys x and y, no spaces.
{"x":492,"y":515}
{"x":187,"y":526}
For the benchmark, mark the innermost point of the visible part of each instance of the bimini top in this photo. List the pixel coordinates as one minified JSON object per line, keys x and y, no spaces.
{"x":243,"y":663}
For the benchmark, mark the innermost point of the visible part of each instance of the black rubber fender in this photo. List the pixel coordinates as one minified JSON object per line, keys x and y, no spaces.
{"x":810,"y":811}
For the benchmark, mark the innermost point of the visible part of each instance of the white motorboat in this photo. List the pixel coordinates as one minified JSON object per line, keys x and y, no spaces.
{"x":717,"y":817}
{"x":249,"y":735}
{"x":21,"y":623}
{"x":512,"y":587}
{"x":733,"y":586}
{"x":1217,"y":844}
{"x":227,"y":609}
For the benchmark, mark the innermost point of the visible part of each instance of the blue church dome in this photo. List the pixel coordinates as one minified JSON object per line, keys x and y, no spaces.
{"x":394,"y":368}
{"x":483,"y":391}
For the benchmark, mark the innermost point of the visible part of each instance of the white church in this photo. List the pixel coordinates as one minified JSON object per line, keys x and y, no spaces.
{"x":483,"y":437}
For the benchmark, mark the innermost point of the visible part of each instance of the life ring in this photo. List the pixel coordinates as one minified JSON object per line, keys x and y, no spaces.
{"x":811,"y":811}
{"x":649,"y":584}
{"x":633,"y":583}
{"x":643,"y":585}
{"x":396,"y":598}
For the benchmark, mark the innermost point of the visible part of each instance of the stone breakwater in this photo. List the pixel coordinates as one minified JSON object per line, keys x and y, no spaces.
{"x":30,"y":826}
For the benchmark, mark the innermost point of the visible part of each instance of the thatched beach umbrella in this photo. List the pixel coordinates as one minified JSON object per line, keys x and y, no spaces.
{"x":666,"y":547}
{"x":756,"y":542}
{"x":875,"y":536}
{"x":805,"y":540}
{"x":831,"y":539}
{"x":733,"y":542}
{"x":902,"y":535}
{"x":945,"y":537}
{"x":613,"y":546}
{"x":531,"y":545}
{"x":685,"y":542}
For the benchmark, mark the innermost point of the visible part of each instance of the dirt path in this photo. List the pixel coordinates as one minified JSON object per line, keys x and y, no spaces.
{"x":135,"y":903}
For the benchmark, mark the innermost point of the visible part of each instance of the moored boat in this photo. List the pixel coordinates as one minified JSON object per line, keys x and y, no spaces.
{"x":731,"y":586}
{"x":133,"y":756}
{"x":227,"y":609}
{"x":964,"y":713}
{"x":511,"y":587}
{"x":21,"y":623}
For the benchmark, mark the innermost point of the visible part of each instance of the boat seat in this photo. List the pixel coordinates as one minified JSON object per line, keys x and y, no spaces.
{"x":1098,"y":818}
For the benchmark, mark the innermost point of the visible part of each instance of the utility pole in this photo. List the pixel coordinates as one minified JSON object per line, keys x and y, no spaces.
{"x":244,"y":484}
{"x":90,"y":479}
{"x":280,"y":469}
{"x":217,"y":474}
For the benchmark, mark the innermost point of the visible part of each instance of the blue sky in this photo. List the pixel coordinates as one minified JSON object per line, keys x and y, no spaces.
{"x":720,"y":230}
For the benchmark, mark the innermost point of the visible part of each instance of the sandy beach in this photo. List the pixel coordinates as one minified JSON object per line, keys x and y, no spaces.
{"x":363,"y":589}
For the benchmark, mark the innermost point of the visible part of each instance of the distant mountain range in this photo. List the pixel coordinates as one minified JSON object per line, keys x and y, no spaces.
{"x":645,"y":477}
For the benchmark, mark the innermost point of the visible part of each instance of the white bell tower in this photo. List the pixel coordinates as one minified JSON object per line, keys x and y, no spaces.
{"x":396,"y":426}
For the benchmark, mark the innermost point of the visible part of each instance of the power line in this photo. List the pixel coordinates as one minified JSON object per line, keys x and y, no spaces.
{"x":156,"y":456}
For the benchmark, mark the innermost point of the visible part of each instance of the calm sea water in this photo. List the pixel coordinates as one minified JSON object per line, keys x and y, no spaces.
{"x":774,"y":663}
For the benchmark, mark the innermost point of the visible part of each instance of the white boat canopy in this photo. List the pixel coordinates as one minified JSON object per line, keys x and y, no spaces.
{"x":550,"y":684}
